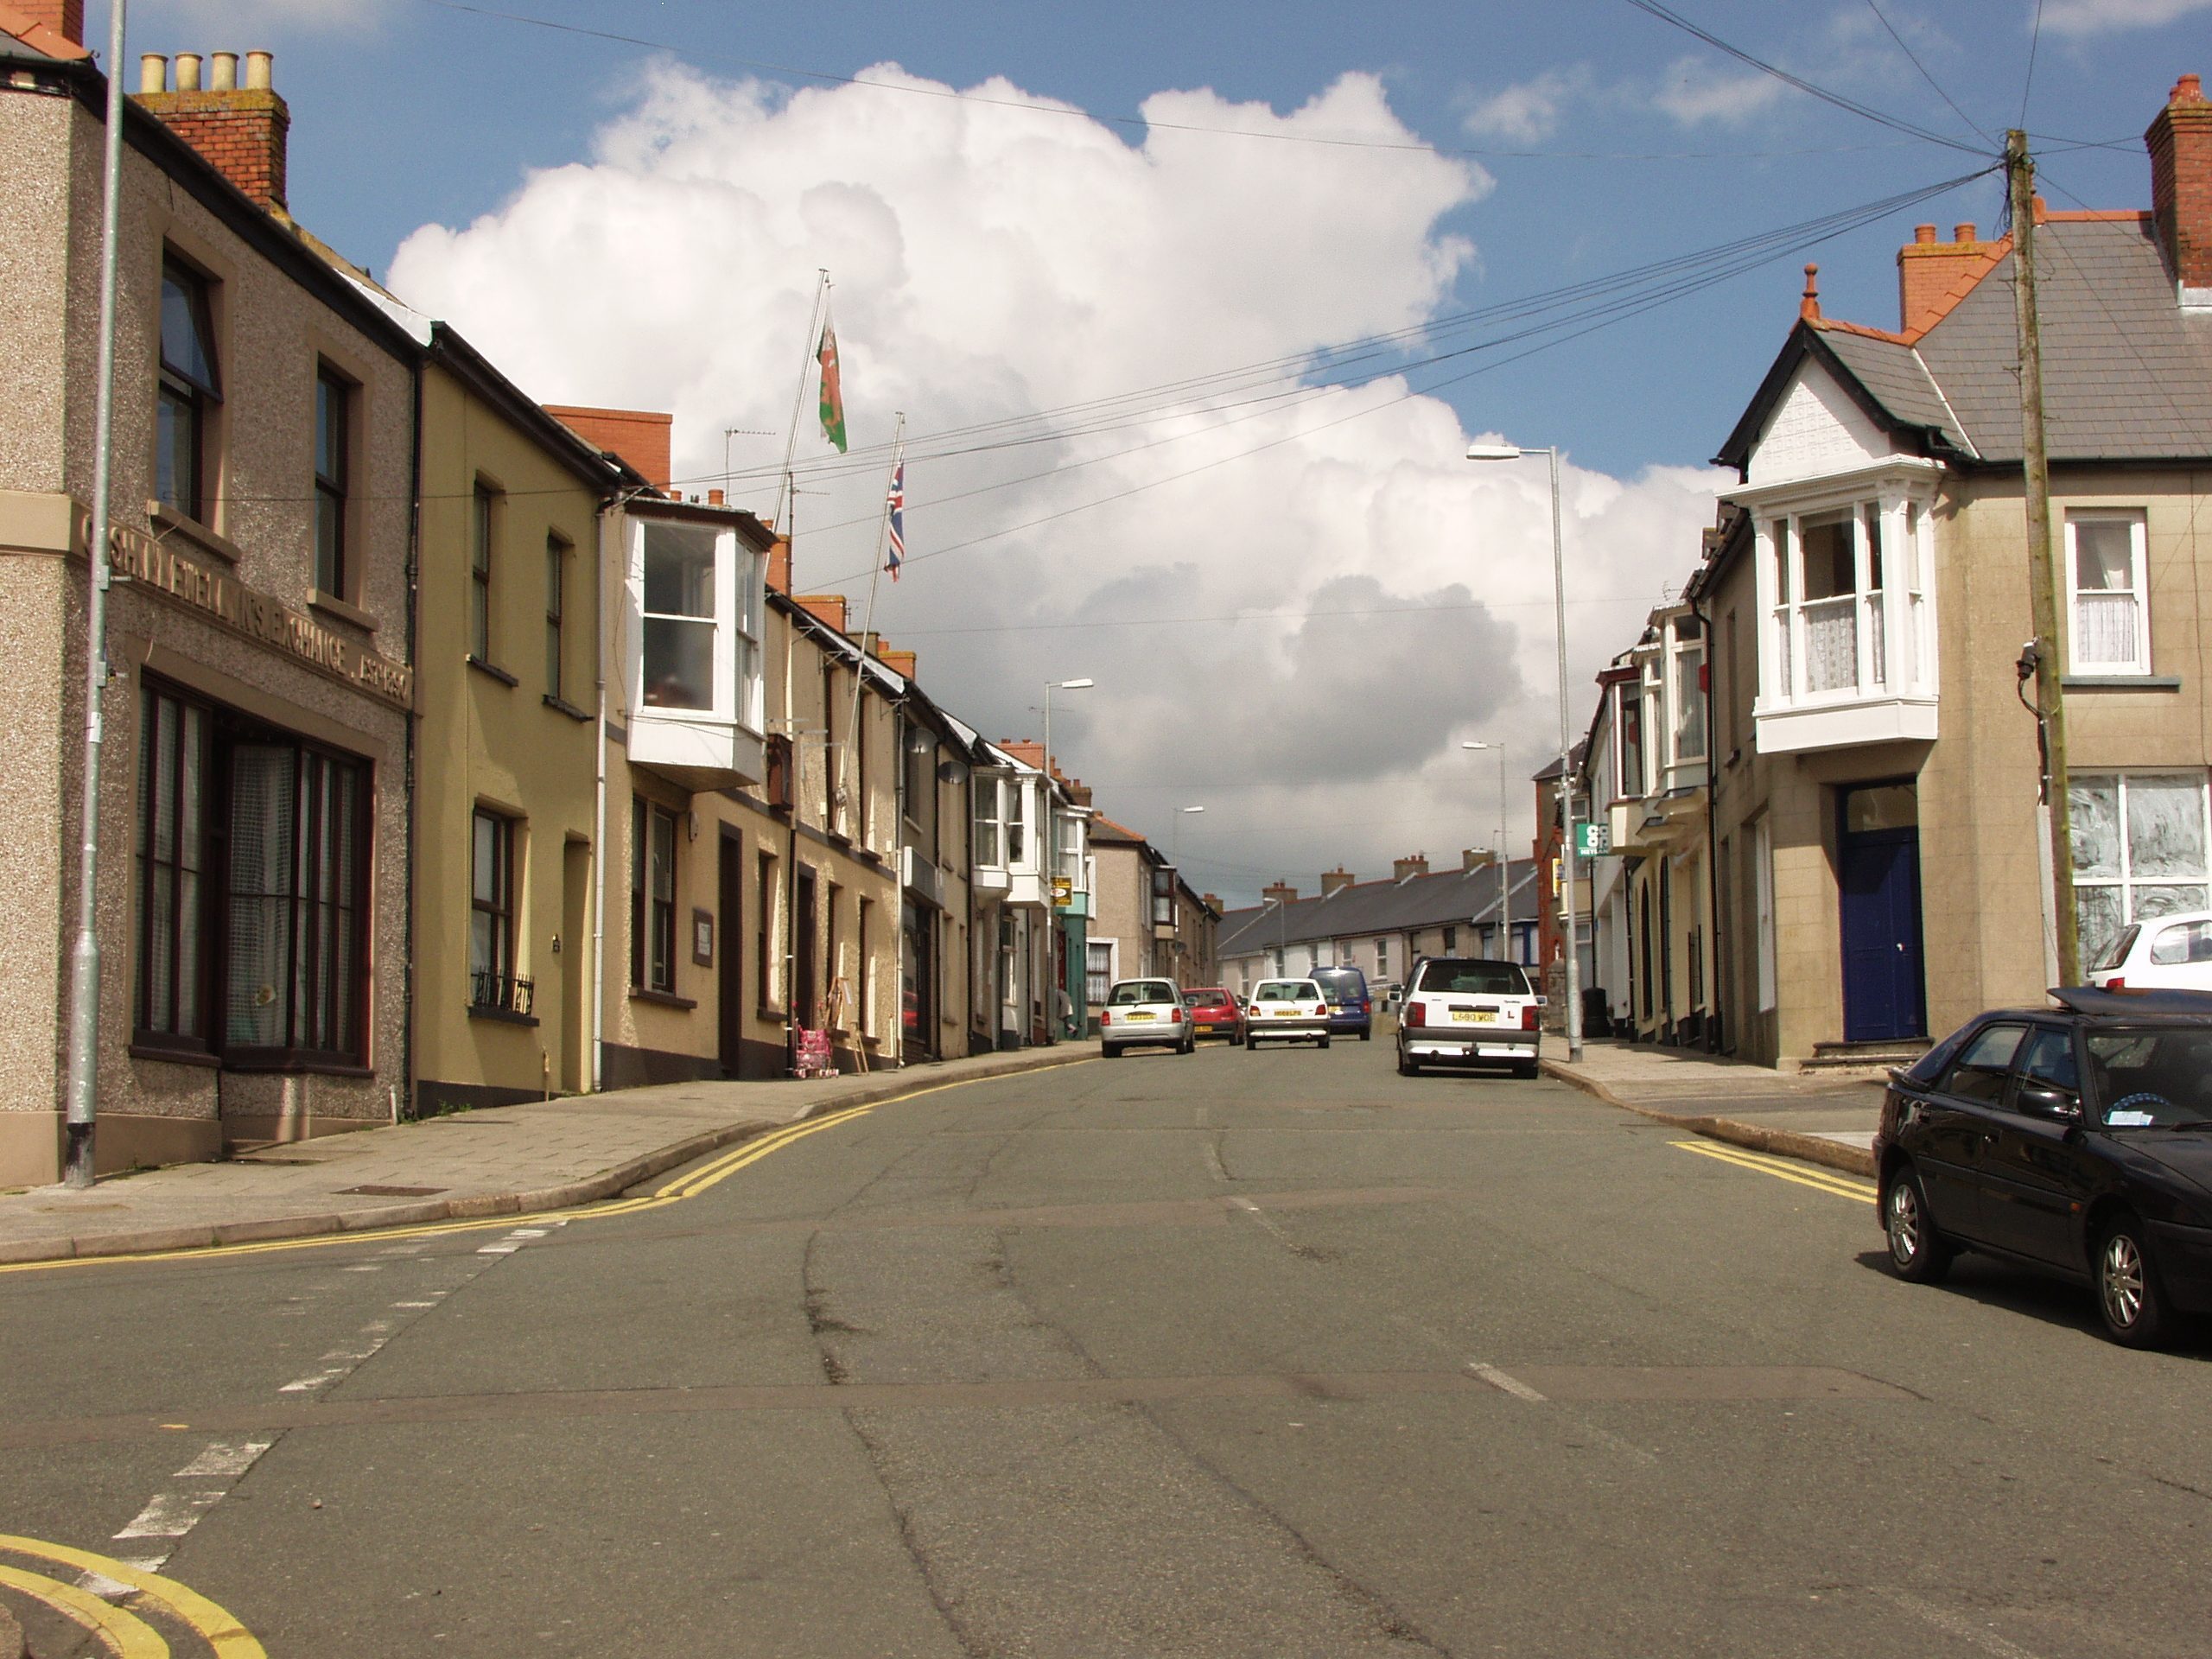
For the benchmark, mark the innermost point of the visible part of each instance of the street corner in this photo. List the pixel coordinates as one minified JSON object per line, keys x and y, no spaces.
{"x":54,"y":1597}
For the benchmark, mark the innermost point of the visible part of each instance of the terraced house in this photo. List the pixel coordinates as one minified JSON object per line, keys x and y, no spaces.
{"x":1874,"y":769}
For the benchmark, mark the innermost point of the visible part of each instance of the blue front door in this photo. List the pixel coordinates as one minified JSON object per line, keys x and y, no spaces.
{"x":1880,"y":911}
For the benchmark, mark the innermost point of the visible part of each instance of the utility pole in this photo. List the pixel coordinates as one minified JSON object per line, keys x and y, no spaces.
{"x":2042,"y":573}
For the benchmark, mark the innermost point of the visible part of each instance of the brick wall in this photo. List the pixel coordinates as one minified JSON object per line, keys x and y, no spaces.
{"x":2180,"y":142}
{"x":243,"y":133}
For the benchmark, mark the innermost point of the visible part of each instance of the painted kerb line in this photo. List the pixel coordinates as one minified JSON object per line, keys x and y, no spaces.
{"x":1802,"y":1175}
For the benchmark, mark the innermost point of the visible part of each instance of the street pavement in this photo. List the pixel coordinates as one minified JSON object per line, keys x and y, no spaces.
{"x":1272,"y":1354}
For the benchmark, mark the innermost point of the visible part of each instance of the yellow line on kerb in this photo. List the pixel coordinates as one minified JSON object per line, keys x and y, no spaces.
{"x":226,"y":1637}
{"x":1804,"y":1175}
{"x":689,"y":1185}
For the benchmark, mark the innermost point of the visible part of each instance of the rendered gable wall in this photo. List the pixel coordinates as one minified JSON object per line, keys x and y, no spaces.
{"x":1815,"y":431}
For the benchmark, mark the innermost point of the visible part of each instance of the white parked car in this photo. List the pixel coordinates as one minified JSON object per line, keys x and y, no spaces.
{"x":1141,"y":1011}
{"x":1463,"y":1010}
{"x":1286,"y":1010}
{"x":2162,"y":953}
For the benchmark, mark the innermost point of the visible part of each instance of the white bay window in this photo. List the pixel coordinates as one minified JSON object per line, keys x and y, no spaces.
{"x":694,"y":590}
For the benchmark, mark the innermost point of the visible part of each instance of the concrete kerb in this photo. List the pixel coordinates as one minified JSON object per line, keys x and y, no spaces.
{"x":1788,"y":1143}
{"x":874,"y":1091}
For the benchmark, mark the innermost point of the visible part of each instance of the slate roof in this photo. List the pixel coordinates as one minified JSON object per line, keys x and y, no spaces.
{"x":1382,"y":907}
{"x":2127,"y":373}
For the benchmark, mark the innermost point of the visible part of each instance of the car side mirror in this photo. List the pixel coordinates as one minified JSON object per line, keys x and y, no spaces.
{"x":2041,"y":1100}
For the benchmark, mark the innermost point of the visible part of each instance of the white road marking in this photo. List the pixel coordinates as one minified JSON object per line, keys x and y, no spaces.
{"x":364,"y":1267}
{"x":230,"y":1458}
{"x":170,"y":1515}
{"x":1213,"y":1163}
{"x":1961,"y":1626}
{"x":1503,"y":1383}
{"x":1265,"y":1221}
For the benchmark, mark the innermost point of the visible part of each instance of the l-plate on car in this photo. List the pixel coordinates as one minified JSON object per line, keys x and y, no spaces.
{"x":1143,"y":1013}
{"x":2076,"y":1140}
{"x":1466,"y":1010}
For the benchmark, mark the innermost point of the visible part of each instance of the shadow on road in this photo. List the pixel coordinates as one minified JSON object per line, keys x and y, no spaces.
{"x":1997,"y":1284}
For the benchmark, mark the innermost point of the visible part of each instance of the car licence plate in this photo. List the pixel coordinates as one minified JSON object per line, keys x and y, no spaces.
{"x":1133,"y":1017}
{"x":1475,"y":1016}
{"x":1284,"y":1014}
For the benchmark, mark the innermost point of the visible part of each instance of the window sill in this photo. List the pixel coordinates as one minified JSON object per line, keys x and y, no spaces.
{"x":562,"y":705}
{"x":330,"y":605}
{"x":2119,"y":682}
{"x":199,"y":1057}
{"x":492,"y":669}
{"x":769,"y":1011}
{"x":664,"y":999}
{"x":171,"y":521}
{"x":505,"y":1016}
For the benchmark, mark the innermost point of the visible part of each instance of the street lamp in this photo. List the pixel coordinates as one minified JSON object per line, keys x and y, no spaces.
{"x":1574,"y":1021}
{"x":1051,"y":828}
{"x":1504,"y":853}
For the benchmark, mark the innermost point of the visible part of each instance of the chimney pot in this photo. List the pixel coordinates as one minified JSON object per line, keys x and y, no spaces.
{"x":259,"y":67}
{"x":714,"y":498}
{"x":2190,"y":89}
{"x":1924,"y":232}
{"x":1964,"y":234}
{"x":223,"y":73}
{"x":153,"y":73}
{"x":187,"y":72}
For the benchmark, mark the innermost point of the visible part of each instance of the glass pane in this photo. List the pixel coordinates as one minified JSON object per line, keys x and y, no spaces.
{"x":2104,"y":633}
{"x":192,"y":784}
{"x":263,"y":804}
{"x":1689,"y":725}
{"x":2185,"y":941}
{"x":482,"y":956}
{"x":159,"y":939}
{"x":2097,"y":918}
{"x":484,"y":861}
{"x":1825,"y":543}
{"x":2092,"y":812}
{"x":679,"y":663}
{"x":664,"y":857}
{"x":161,"y":798}
{"x":1873,"y":520}
{"x":185,"y":346}
{"x":2147,"y":902}
{"x":2165,"y":827}
{"x":679,"y":570}
{"x":329,"y":543}
{"x":1891,"y":806}
{"x":175,"y":426}
{"x":1832,"y":645}
{"x":330,"y":429}
{"x":188,"y":938}
{"x":2104,"y":556}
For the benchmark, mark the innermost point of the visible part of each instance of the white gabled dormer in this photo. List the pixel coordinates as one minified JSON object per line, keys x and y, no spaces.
{"x":1846,"y":562}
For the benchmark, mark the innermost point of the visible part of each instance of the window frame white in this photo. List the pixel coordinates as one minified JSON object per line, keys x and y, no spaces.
{"x":724,"y":654}
{"x":2138,"y":589}
{"x":2127,"y":882}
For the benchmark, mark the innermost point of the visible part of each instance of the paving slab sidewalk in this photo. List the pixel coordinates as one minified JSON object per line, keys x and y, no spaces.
{"x":500,"y":1161}
{"x":1823,"y":1117}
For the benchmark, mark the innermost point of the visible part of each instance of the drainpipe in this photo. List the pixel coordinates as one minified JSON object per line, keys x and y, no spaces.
{"x":1720,"y":1026}
{"x":409,"y":782}
{"x":599,"y":806}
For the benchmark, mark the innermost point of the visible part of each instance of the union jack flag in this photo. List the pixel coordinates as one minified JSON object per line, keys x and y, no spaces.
{"x":897,"y":504}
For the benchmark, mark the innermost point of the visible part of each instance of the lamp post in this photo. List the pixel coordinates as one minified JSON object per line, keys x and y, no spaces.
{"x":1573,"y":1021}
{"x":1504,"y":853}
{"x":1051,"y":828}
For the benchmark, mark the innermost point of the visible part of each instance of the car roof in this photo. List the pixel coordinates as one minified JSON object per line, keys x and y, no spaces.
{"x":2168,"y":1006}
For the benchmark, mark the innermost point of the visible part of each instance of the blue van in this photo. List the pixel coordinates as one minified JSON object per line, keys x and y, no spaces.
{"x":1349,"y":1009}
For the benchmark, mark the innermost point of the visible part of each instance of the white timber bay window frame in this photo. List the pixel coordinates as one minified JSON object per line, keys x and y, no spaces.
{"x":694,"y":658}
{"x":1846,"y":635}
{"x":992,"y":791}
{"x":2108,"y":595}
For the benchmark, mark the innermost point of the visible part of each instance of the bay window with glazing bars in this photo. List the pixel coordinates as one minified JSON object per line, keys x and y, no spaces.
{"x":252,"y":890}
{"x":1834,"y":577}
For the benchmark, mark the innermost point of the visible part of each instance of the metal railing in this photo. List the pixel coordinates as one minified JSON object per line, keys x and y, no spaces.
{"x":508,"y":993}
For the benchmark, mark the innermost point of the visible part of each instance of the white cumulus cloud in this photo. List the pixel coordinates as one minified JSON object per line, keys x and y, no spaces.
{"x":2103,"y":16}
{"x":1001,"y":266}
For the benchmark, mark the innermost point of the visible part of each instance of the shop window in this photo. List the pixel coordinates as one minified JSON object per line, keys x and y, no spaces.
{"x":173,"y":870}
{"x":189,"y":391}
{"x":2140,"y":849}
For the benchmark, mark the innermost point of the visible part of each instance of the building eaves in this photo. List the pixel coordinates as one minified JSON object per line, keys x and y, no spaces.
{"x":450,"y":351}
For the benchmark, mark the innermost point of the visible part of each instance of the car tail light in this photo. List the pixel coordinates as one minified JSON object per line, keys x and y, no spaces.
{"x":1366,"y":1006}
{"x":1415,"y":1016}
{"x":2115,"y":983}
{"x":1527,"y":1016}
{"x":1105,"y":1017}
{"x":1175,"y":1016}
{"x":1323,"y":1010}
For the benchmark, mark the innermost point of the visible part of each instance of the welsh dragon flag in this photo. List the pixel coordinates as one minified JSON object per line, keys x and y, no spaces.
{"x":833,"y":388}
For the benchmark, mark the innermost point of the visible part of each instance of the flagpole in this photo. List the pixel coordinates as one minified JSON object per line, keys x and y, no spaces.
{"x":798,"y":397}
{"x":875,"y":581}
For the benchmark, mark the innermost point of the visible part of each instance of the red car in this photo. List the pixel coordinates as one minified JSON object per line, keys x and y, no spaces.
{"x":1214,"y":1013}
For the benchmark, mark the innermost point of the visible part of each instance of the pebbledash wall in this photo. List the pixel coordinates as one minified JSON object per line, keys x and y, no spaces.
{"x":283,"y":1014}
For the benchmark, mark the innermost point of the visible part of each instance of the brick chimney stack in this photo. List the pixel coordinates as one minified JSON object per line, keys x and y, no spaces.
{"x":1335,"y":880}
{"x":1403,"y":867}
{"x":779,"y":565}
{"x":65,"y":17}
{"x":241,"y":131}
{"x":640,"y":438}
{"x":2180,"y":143}
{"x":1932,"y":275}
{"x":1476,"y":858}
{"x":1280,"y":893}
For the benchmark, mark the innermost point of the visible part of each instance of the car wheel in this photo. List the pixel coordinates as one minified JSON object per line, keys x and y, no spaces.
{"x":1365,"y":1036}
{"x":1918,"y":1253}
{"x":1251,"y":1041}
{"x":1406,"y":1066}
{"x":2128,"y":1297}
{"x":1324,"y":1041}
{"x":1190,"y":1046}
{"x":1524,"y":1068}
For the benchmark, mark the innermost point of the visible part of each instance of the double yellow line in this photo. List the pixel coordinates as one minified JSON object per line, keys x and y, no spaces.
{"x":1782,"y":1169}
{"x":120,"y":1630}
{"x":688,"y":1185}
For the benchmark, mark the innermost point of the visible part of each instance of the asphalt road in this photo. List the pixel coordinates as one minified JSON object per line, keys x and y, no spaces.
{"x":1272,"y":1354}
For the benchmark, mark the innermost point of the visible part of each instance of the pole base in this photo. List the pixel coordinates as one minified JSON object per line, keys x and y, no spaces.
{"x":76,"y":1155}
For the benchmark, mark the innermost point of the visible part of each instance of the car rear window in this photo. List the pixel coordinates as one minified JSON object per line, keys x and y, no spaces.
{"x":2149,"y":1079}
{"x":2116,"y":952}
{"x":1341,"y":984}
{"x":1285,"y":990}
{"x":1446,"y":973}
{"x":1141,"y":990}
{"x":1203,"y":996}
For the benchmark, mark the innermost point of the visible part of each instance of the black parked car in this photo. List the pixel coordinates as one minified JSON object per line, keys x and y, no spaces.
{"x":2077,"y":1140}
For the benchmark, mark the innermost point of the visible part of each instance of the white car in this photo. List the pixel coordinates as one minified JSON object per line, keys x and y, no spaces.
{"x":1141,"y":1011}
{"x":1463,"y":1010}
{"x":1287,"y":1011}
{"x":2163,"y":953}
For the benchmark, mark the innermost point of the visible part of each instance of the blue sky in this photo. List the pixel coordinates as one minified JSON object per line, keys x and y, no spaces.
{"x":641,"y":227}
